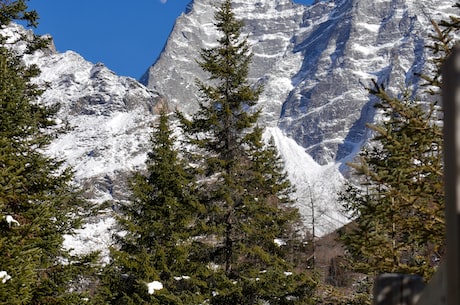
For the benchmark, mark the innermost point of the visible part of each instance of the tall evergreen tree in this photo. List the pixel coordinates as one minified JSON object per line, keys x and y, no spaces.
{"x":159,"y":222}
{"x":38,"y":204}
{"x":245,"y":192}
{"x":398,"y":210}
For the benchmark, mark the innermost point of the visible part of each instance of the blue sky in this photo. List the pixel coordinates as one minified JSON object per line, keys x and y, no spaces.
{"x":127,"y":36}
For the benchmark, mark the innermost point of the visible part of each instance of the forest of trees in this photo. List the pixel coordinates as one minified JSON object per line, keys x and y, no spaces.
{"x":212,"y":218}
{"x":207,"y":223}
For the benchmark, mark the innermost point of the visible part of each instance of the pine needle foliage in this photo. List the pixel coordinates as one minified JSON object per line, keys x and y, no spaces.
{"x":159,"y":222}
{"x":38,"y":203}
{"x":246,"y":194}
{"x":17,"y":10}
{"x":398,"y":209}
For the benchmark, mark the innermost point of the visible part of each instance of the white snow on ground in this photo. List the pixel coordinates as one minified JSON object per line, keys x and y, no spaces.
{"x":4,"y":276}
{"x":279,"y":242}
{"x":155,"y":285}
{"x":11,"y":221}
{"x":104,"y":144}
{"x":316,"y":185}
{"x":95,"y":236}
{"x":110,"y":130}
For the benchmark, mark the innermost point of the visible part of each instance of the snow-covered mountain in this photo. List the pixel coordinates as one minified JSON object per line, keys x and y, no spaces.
{"x":312,"y":60}
{"x":110,"y":120}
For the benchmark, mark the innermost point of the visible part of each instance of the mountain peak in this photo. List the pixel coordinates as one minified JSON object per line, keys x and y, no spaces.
{"x":313,"y":61}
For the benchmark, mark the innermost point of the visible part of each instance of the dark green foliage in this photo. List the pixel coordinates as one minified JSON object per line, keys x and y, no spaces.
{"x":399,"y":210}
{"x":209,"y":231}
{"x":17,"y":10}
{"x":242,"y":185}
{"x":35,"y":190}
{"x":168,"y":187}
{"x":159,"y":223}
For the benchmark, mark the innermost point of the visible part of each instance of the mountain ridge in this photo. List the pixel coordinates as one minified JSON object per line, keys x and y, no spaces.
{"x":314,"y":62}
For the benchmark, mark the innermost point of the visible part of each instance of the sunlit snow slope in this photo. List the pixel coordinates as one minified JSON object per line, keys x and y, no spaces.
{"x":313,"y":62}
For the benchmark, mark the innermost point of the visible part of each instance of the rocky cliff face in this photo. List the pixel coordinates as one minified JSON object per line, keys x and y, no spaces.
{"x":109,"y":116}
{"x":314,"y":61}
{"x":270,"y":26}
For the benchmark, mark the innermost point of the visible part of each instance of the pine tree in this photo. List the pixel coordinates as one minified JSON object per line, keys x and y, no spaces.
{"x":38,"y":203}
{"x":245,"y":192}
{"x":398,"y":211}
{"x":17,"y":10}
{"x":159,"y":222}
